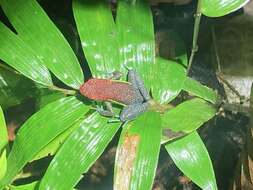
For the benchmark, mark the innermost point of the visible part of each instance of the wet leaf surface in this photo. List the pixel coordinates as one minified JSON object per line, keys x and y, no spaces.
{"x":81,"y":149}
{"x":39,"y":130}
{"x":137,"y":153}
{"x":36,"y":29}
{"x":217,"y":8}
{"x":191,"y":157}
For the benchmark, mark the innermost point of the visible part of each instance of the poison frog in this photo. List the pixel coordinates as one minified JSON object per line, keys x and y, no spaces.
{"x":132,"y":94}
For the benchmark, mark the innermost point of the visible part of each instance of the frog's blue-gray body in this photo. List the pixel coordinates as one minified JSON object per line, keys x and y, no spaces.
{"x":140,"y":105}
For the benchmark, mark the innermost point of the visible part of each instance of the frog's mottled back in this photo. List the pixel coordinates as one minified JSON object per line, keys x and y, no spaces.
{"x":110,"y":90}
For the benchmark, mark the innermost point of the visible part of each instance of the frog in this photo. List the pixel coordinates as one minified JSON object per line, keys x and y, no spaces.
{"x":132,"y":94}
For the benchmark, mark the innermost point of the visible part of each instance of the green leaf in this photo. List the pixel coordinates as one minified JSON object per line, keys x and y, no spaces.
{"x":169,"y":81}
{"x":41,"y":129}
{"x":3,"y":163}
{"x":47,"y":96}
{"x":3,"y":132}
{"x":216,"y":8}
{"x":3,"y":144}
{"x":191,"y":157}
{"x":30,"y":186}
{"x":98,"y":35}
{"x":186,"y":117}
{"x":14,"y":88}
{"x":22,"y":57}
{"x":134,"y":22}
{"x":195,"y":88}
{"x":38,"y":31}
{"x":52,"y":147}
{"x":137,"y":153}
{"x":79,"y":152}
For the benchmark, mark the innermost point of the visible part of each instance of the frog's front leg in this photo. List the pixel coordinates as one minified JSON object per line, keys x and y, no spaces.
{"x":108,"y":112}
{"x":135,"y":79}
{"x":130,"y":112}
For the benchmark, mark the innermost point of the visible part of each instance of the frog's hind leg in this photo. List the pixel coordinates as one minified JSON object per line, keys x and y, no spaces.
{"x":135,"y":79}
{"x":132,"y":111}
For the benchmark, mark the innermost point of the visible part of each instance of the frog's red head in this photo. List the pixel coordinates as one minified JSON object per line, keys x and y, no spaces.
{"x":95,"y":89}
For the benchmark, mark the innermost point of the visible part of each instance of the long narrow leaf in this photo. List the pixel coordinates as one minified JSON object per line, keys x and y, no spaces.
{"x":196,"y":88}
{"x":98,"y":35}
{"x":137,"y":153}
{"x":20,"y":56}
{"x":39,"y":130}
{"x":186,"y":117}
{"x":79,"y":152}
{"x":37,"y":30}
{"x":134,"y":22}
{"x":191,"y":157}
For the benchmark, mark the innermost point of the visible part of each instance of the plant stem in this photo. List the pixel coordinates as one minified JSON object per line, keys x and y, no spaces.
{"x":216,"y":49}
{"x":64,"y":91}
{"x":195,"y":36}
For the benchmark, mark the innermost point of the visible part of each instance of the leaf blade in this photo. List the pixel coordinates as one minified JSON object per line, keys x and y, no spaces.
{"x":39,"y":130}
{"x":134,"y":23}
{"x":99,"y":40}
{"x":38,"y":31}
{"x":191,"y":157}
{"x":217,"y":8}
{"x":170,"y":80}
{"x":83,"y":147}
{"x":20,"y":56}
{"x":196,"y":88}
{"x":185,"y":118}
{"x":136,"y":157}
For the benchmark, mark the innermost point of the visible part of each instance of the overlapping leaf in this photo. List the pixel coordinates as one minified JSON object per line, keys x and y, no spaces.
{"x":195,"y":88}
{"x":79,"y":152}
{"x":52,"y":147}
{"x":186,"y":117}
{"x":36,"y":29}
{"x":39,"y":130}
{"x":137,"y":153}
{"x":20,"y":56}
{"x":191,"y":157}
{"x":98,"y":34}
{"x":136,"y":37}
{"x":216,"y":8}
{"x":14,"y":88}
